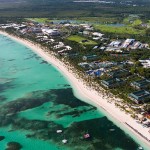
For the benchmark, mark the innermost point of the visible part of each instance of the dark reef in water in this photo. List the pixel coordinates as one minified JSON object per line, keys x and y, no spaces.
{"x":66,"y":85}
{"x":37,"y":57}
{"x":30,"y":57}
{"x":13,"y":146}
{"x":35,"y":125}
{"x":9,"y":110}
{"x":44,"y":62}
{"x":11,"y":59}
{"x":2,"y":138}
{"x":102,"y":137}
{"x":5,"y":86}
{"x":45,"y":130}
{"x":66,"y":97}
{"x":76,"y":112}
{"x":2,"y":98}
{"x":31,"y":100}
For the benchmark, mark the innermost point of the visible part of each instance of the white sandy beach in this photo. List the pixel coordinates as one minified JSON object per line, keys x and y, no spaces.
{"x":97,"y":99}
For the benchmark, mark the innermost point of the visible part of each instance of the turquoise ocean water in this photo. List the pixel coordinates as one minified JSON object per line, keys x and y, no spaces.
{"x":36,"y":101}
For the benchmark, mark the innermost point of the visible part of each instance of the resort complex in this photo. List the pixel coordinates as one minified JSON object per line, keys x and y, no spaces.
{"x":75,"y":75}
{"x":86,"y":49}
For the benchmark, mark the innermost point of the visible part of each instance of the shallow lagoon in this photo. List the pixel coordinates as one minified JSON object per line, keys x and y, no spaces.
{"x":36,"y":100}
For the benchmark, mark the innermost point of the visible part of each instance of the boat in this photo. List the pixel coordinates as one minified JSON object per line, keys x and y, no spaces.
{"x":59,"y":131}
{"x":86,"y":136}
{"x":64,"y":141}
{"x":111,"y":129}
{"x":140,"y":148}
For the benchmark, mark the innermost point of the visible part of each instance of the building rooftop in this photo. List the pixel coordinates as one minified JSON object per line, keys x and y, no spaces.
{"x":141,"y":83}
{"x":90,"y":57}
{"x":112,"y":82}
{"x":119,"y":73}
{"x":140,"y":96}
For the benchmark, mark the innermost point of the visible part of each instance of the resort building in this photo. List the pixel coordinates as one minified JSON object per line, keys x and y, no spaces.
{"x":89,"y":57}
{"x":145,"y":63}
{"x":140,"y":96}
{"x":136,"y":45}
{"x":84,"y":65}
{"x":94,"y":73}
{"x":68,"y":48}
{"x":141,"y":84}
{"x":86,"y":33}
{"x":59,"y":45}
{"x":115,"y":44}
{"x":112,"y":82}
{"x":113,"y":49}
{"x":97,"y":34}
{"x":102,"y":48}
{"x":51,"y":32}
{"x":128,"y":42}
{"x":118,"y":73}
{"x":35,"y":30}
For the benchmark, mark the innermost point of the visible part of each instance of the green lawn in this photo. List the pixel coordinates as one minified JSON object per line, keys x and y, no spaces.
{"x":40,"y":20}
{"x":104,"y":19}
{"x":79,"y":39}
{"x":119,"y":30}
{"x":136,"y":22}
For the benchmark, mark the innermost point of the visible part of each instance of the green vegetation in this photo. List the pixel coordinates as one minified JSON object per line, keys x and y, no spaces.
{"x":132,"y":20}
{"x":40,"y":20}
{"x":119,"y":29}
{"x":140,"y":54}
{"x":81,"y":40}
{"x":51,"y":8}
{"x":101,"y":19}
{"x":136,"y":22}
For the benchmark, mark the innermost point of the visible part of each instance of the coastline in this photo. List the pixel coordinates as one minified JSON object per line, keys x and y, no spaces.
{"x":93,"y":97}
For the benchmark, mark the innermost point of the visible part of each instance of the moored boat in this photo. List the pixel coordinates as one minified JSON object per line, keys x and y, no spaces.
{"x":64,"y":141}
{"x":140,"y":148}
{"x":86,"y":136}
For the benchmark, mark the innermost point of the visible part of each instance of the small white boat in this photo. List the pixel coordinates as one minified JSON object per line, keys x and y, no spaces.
{"x":59,"y":131}
{"x":140,"y":148}
{"x":64,"y":141}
